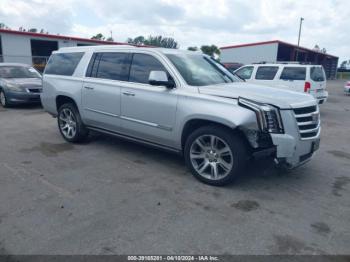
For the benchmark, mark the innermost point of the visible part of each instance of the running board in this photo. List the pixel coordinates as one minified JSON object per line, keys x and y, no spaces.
{"x":136,"y":140}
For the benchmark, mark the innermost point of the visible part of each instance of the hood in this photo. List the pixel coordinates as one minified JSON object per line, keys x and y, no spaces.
{"x":25,"y":82}
{"x":283,"y":99}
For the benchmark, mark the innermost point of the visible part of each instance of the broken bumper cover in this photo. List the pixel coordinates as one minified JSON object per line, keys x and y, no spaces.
{"x":292,"y":151}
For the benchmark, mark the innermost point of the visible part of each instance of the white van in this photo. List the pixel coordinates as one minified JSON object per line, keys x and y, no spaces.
{"x":297,"y":77}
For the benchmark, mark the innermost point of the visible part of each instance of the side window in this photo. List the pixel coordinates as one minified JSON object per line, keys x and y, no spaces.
{"x":63,"y":63}
{"x":141,"y":67}
{"x":293,"y":73}
{"x":245,"y":72}
{"x":266,"y":72}
{"x":114,"y":66}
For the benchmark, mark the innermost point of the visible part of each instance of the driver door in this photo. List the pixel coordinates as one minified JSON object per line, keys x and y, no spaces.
{"x":148,"y":112}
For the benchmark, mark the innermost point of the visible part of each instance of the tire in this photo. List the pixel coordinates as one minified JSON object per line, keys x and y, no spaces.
{"x":3,"y":99}
{"x":225,"y":155}
{"x":70,"y":124}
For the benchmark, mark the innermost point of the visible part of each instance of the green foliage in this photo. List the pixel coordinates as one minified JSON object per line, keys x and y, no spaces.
{"x":210,"y":50}
{"x":160,"y":41}
{"x":192,"y":48}
{"x":99,"y":36}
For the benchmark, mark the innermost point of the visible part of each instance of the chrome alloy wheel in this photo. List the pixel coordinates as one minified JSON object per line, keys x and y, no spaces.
{"x":67,"y":123}
{"x":211,"y":157}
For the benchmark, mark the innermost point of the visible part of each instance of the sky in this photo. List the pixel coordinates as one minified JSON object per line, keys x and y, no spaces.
{"x":191,"y":22}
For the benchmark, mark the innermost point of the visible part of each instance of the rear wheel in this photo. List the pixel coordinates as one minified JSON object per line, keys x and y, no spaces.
{"x":70,"y":124}
{"x":215,"y":155}
{"x":3,"y":99}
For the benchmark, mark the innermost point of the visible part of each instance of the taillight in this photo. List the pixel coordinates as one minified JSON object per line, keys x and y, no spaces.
{"x":307,"y":87}
{"x":348,"y":84}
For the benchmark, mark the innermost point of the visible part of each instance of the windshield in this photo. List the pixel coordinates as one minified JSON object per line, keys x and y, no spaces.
{"x":18,"y":72}
{"x":200,"y":70}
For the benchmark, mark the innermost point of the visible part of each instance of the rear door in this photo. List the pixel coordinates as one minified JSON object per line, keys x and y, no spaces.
{"x":317,"y":79}
{"x":101,"y":91}
{"x":293,"y":77}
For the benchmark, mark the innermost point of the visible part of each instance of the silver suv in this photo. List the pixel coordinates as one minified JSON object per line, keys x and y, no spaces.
{"x":180,"y":101}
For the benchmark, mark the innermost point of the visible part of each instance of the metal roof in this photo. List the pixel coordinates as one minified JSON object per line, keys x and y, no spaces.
{"x":60,"y":37}
{"x":275,"y":42}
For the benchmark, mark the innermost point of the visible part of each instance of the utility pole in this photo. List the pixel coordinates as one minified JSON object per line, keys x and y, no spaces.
{"x":301,"y":22}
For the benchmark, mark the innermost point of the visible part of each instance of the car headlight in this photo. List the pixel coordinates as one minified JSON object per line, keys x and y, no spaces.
{"x":268,"y":116}
{"x":14,"y":87}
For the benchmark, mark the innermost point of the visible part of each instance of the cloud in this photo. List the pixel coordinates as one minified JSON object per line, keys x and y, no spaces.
{"x":196,"y":22}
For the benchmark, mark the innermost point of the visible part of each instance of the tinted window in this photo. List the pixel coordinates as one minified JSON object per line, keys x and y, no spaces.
{"x":113,"y":66}
{"x":293,"y":73}
{"x":91,"y":66}
{"x":141,"y":67}
{"x":317,"y":74}
{"x":245,"y":72}
{"x":266,"y":72}
{"x":63,"y":63}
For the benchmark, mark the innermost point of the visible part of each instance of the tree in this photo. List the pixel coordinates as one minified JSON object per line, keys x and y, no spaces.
{"x":110,"y":39}
{"x":192,"y":48}
{"x":210,"y":50}
{"x":140,"y":40}
{"x":4,"y":26}
{"x":99,"y":36}
{"x":160,"y":41}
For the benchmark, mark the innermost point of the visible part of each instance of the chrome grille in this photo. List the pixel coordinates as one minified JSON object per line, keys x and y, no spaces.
{"x":308,"y":120}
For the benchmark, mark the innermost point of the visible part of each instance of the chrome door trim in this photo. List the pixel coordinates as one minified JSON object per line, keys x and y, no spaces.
{"x":101,"y":112}
{"x":167,"y":128}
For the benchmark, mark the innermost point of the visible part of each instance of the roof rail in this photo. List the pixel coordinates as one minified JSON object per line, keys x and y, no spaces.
{"x":286,"y":62}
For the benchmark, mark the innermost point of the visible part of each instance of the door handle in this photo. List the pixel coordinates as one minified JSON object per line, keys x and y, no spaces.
{"x":128,"y":94}
{"x":88,"y":87}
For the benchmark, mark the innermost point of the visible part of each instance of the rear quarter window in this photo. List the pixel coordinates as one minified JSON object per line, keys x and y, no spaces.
{"x":293,"y":73}
{"x":63,"y":63}
{"x":317,"y":74}
{"x":266,"y":72}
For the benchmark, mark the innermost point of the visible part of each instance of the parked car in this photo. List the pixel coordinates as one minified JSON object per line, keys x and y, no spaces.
{"x":19,"y":84}
{"x":180,"y":101}
{"x":309,"y":79}
{"x":347,"y":88}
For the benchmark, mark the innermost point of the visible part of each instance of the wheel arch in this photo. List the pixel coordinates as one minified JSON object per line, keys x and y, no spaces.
{"x":193,"y":124}
{"x":64,"y":99}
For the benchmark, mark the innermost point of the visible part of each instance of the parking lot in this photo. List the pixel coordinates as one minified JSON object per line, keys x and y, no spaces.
{"x":109,"y":196}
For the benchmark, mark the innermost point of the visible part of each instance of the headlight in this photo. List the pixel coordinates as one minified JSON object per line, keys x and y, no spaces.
{"x":14,"y":87}
{"x":268,"y":116}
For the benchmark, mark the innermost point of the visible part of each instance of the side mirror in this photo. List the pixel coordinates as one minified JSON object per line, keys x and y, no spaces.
{"x":160,"y":78}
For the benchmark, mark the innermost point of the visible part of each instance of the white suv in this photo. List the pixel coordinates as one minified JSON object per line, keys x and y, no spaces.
{"x":295,"y":77}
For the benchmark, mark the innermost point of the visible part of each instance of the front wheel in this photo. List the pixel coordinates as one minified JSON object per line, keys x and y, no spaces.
{"x":215,"y":155}
{"x":3,"y":99}
{"x":70,"y":124}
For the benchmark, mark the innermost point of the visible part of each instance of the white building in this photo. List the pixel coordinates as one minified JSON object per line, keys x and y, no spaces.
{"x":35,"y":48}
{"x":277,"y":51}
